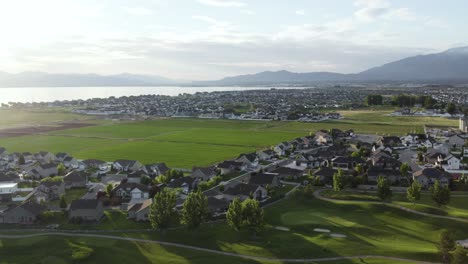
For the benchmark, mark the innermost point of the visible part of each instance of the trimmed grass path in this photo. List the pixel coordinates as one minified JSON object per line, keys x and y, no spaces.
{"x":218,"y":252}
{"x":319,"y":196}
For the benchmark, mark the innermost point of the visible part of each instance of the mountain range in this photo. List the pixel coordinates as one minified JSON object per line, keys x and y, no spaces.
{"x":41,"y":79}
{"x":448,"y":66}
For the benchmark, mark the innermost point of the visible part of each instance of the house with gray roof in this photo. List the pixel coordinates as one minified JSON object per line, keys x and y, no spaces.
{"x":90,"y":210}
{"x":26,"y":213}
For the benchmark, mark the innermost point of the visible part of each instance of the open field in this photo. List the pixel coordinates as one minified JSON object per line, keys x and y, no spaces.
{"x":458,"y":206}
{"x":184,"y":143}
{"x":17,"y":118}
{"x":370,"y":230}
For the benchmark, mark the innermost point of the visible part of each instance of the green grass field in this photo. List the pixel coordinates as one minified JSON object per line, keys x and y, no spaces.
{"x":458,"y":206}
{"x":17,"y":118}
{"x":370,"y":230}
{"x":184,"y":143}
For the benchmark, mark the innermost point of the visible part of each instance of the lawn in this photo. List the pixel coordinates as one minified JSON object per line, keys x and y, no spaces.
{"x":370,"y":230}
{"x":20,"y":118}
{"x":183,"y":143}
{"x":458,"y":206}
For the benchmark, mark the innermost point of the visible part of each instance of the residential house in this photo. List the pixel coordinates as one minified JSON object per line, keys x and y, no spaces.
{"x":45,"y":156}
{"x":244,"y":191}
{"x":229,"y":166}
{"x":251,"y":159}
{"x":433,"y":157}
{"x":3,"y":153}
{"x":391,"y":141}
{"x":285,"y":173}
{"x":204,"y":173}
{"x":392,"y":176}
{"x":26,"y":213}
{"x":217,"y":205}
{"x":448,"y":163}
{"x":46,"y":170}
{"x":49,"y":191}
{"x":157,"y":169}
{"x":75,"y":179}
{"x":266,"y":154}
{"x":456,"y":141}
{"x":61,"y":156}
{"x":384,"y":161}
{"x":127,"y":190}
{"x":89,"y":210}
{"x":140,"y":211}
{"x":264,"y":179}
{"x":136,"y":176}
{"x":325,"y":174}
{"x":28,"y":157}
{"x":282,"y":148}
{"x":127,"y":165}
{"x":343,"y":162}
{"x":323,"y":138}
{"x":187,"y":184}
{"x":70,"y":162}
{"x":8,"y":190}
{"x":95,"y":164}
{"x":428,"y":176}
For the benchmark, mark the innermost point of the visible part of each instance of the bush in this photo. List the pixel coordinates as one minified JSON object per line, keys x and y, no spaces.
{"x":79,"y":251}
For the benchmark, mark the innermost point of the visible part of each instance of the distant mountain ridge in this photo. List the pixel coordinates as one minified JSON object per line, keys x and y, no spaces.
{"x":41,"y":79}
{"x":448,"y":66}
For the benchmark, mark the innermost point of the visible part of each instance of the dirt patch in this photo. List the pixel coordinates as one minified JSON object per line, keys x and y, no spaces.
{"x":34,"y":130}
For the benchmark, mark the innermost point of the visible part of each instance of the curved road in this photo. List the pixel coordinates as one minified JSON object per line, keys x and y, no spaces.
{"x":319,"y":196}
{"x":218,"y":252}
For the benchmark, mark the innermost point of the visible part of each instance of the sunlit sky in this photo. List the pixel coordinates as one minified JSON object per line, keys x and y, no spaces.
{"x":210,"y":39}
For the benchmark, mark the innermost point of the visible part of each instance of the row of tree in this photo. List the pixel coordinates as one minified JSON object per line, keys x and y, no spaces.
{"x":439,"y":194}
{"x":247,"y":214}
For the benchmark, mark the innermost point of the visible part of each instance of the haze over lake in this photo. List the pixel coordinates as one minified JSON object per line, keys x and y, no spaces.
{"x":49,"y":94}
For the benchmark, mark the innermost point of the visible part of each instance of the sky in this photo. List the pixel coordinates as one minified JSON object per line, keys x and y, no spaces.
{"x":211,"y":39}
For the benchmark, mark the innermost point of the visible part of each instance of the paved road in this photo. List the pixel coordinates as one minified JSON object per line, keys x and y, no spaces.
{"x":319,"y":196}
{"x":212,"y":251}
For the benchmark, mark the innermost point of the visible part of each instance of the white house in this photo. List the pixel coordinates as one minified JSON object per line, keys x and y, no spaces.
{"x":8,"y":188}
{"x":449,"y":163}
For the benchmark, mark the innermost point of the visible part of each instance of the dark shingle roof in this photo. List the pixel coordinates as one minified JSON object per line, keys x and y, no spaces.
{"x":242,"y":188}
{"x":262,"y":179}
{"x":83,"y":204}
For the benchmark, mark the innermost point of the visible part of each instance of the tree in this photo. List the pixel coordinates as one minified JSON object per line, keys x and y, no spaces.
{"x":195,"y":210}
{"x":253,"y":216}
{"x":404,"y":169}
{"x":61,"y":169}
{"x":374,"y":99}
{"x":440,"y":194}
{"x":383,"y":189}
{"x":234,"y":214}
{"x":460,"y":255}
{"x":162,"y":210}
{"x":420,"y":157}
{"x":21,"y":160}
{"x":109,"y":189}
{"x":413,"y":192}
{"x":451,"y":108}
{"x":359,"y":169}
{"x":63,"y":202}
{"x":338,"y":181}
{"x":446,"y":244}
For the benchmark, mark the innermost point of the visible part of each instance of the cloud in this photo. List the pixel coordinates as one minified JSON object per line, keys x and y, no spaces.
{"x":247,"y":12}
{"x":371,"y":10}
{"x":222,"y":3}
{"x":138,"y":11}
{"x":206,"y":19}
{"x":300,"y":12}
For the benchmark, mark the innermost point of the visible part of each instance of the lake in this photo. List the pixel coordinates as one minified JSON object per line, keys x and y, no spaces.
{"x":49,"y":94}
